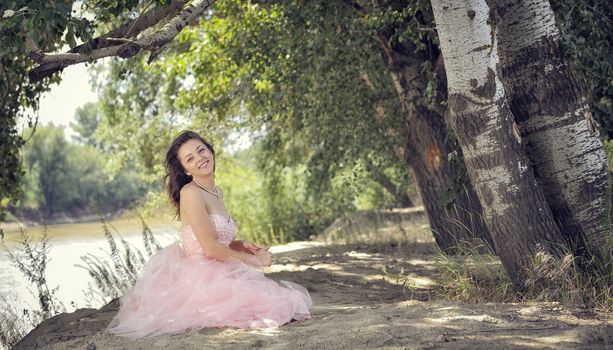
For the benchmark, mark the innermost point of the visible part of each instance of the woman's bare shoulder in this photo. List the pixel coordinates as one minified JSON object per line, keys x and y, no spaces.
{"x":189,"y":191}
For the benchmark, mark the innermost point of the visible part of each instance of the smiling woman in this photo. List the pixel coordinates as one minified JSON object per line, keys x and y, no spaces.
{"x":209,"y":279}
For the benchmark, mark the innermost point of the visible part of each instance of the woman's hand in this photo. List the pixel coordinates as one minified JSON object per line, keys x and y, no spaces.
{"x":254,"y":248}
{"x":264,"y":256}
{"x":247,"y":247}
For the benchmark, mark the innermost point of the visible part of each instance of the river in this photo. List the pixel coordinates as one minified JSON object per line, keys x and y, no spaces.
{"x":68,"y":243}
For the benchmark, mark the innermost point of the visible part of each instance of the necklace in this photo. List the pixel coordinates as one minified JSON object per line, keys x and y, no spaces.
{"x":216,"y":193}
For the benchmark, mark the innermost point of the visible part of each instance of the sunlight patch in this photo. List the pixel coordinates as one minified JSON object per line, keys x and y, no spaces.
{"x":479,"y":318}
{"x":355,"y":254}
{"x":294,"y":246}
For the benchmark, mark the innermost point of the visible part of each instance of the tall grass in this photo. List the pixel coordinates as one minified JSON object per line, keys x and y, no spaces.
{"x":113,"y":276}
{"x":473,"y":276}
{"x":31,"y":259}
{"x":15,"y":323}
{"x":476,"y":277}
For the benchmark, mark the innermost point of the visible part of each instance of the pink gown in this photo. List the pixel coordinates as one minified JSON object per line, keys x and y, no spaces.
{"x":181,"y":289}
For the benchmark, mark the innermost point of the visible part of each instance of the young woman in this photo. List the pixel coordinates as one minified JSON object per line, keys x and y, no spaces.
{"x":209,"y":279}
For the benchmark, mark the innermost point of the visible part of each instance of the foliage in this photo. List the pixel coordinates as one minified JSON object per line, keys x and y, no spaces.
{"x":587,"y":30}
{"x":69,"y":178}
{"x":477,"y":277}
{"x":318,"y":102}
{"x":31,"y":26}
{"x":273,"y":210}
{"x":26,"y":25}
{"x":246,"y":60}
{"x":608,"y":147}
{"x":136,"y":122}
{"x":21,"y":20}
{"x":409,"y":286}
{"x":315,"y":99}
{"x":242,"y":71}
{"x":293,"y":213}
{"x":46,"y":155}
{"x":87,"y":118}
{"x":562,"y":275}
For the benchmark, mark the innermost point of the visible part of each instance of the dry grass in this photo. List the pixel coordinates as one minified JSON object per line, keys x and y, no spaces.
{"x":15,"y":323}
{"x":472,"y":275}
{"x":567,"y":284}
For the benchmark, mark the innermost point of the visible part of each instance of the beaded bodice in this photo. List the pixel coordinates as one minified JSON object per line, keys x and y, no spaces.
{"x":225,"y":230}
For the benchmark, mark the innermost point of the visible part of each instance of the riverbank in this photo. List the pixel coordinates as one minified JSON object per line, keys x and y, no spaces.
{"x":34,"y":217}
{"x":359,"y":306}
{"x":84,"y":227}
{"x":377,"y":288}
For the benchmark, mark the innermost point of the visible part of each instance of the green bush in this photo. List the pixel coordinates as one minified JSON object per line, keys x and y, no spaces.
{"x":276,"y":207}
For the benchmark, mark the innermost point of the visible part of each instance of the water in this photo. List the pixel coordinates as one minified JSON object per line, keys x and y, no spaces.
{"x":62,"y":271}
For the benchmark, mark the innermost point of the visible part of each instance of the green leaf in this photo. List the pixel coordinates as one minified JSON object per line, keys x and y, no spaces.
{"x":70,"y":37}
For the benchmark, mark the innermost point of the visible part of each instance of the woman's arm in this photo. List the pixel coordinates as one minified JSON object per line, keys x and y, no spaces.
{"x":194,"y":211}
{"x":238,"y":245}
{"x":247,"y":247}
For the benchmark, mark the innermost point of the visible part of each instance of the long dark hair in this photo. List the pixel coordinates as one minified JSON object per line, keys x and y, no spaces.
{"x":176,"y":177}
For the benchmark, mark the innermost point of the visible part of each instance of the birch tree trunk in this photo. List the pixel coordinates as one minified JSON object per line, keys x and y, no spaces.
{"x":551,"y":109}
{"x":426,"y":153}
{"x":514,"y":206}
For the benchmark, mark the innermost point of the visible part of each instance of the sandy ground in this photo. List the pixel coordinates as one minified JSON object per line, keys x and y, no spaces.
{"x":357,"y":307}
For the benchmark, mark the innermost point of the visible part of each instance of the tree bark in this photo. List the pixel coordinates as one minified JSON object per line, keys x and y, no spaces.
{"x":552,"y":111}
{"x":453,"y":223}
{"x":514,"y":206}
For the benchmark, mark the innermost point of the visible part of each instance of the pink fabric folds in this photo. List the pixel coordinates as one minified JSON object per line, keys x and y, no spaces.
{"x":181,"y":289}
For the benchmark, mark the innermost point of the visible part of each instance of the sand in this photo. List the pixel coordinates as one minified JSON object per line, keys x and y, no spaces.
{"x":357,"y":307}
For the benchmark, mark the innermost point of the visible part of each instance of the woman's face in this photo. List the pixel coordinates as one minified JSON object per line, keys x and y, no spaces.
{"x":196,"y":158}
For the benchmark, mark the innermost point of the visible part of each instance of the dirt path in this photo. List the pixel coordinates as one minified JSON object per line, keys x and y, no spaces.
{"x":357,"y":307}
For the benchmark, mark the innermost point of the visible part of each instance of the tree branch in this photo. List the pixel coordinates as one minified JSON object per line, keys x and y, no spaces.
{"x":127,"y":35}
{"x":134,"y":27}
{"x":113,"y":43}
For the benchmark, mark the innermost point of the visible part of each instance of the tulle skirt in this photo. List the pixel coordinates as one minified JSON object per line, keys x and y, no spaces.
{"x":177,"y":292}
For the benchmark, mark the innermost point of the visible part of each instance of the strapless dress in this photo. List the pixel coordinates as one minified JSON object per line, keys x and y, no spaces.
{"x":181,"y":289}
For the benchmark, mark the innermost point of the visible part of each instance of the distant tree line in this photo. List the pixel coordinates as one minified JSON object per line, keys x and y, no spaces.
{"x":72,"y":178}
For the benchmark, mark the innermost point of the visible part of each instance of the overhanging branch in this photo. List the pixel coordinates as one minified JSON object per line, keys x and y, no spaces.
{"x":115,"y":44}
{"x":134,"y":27}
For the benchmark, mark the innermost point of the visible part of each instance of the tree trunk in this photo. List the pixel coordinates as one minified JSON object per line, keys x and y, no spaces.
{"x":514,"y":206}
{"x":551,"y":109}
{"x":453,"y":222}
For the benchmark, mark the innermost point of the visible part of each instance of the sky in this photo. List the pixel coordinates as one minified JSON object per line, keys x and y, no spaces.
{"x":59,"y":104}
